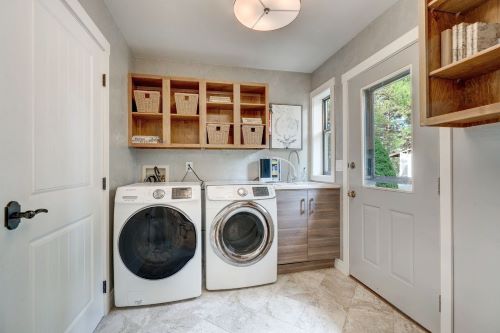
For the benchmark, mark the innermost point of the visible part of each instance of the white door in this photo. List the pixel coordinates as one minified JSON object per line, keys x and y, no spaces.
{"x":394,"y":206}
{"x":51,"y":146}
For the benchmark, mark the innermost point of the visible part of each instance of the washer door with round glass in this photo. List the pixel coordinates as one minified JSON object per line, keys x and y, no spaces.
{"x":242,"y":233}
{"x":157,"y":242}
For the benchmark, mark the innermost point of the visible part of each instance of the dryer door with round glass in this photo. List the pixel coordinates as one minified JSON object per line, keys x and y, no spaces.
{"x":157,"y":242}
{"x":242,"y":233}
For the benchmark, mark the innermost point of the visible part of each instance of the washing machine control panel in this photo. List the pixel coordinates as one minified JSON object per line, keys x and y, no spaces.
{"x":158,"y":194}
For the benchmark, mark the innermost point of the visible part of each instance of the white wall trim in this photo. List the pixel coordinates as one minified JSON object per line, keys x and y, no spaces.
{"x":81,"y":16}
{"x":446,"y":223}
{"x":328,"y":85}
{"x":399,"y":44}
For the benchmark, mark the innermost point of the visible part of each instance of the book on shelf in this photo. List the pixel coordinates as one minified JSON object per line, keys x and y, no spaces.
{"x":469,"y":39}
{"x":484,"y":36}
{"x":454,"y":35}
{"x":462,"y":40}
{"x":446,"y":47}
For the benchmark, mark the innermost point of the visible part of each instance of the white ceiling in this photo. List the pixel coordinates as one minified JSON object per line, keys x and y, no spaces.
{"x":206,"y":31}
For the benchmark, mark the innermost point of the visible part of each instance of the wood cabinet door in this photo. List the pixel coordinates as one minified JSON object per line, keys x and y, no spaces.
{"x":292,"y":226}
{"x":323,"y":224}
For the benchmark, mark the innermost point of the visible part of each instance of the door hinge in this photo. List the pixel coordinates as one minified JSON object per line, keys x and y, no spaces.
{"x":439,"y":186}
{"x":439,"y":303}
{"x":104,"y":184}
{"x":104,"y":287}
{"x":104,"y":80}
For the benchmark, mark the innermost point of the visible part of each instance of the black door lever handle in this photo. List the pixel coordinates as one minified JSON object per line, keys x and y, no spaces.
{"x":13,"y":214}
{"x":28,"y":214}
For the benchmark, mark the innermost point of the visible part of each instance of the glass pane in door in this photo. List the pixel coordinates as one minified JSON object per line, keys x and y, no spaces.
{"x":389,"y":134}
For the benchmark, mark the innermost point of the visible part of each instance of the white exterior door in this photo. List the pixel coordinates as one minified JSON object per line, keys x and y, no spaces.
{"x":394,"y":209}
{"x":52,"y":134}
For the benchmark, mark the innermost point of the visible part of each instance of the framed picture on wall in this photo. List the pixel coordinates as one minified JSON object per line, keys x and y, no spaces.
{"x":286,"y":126}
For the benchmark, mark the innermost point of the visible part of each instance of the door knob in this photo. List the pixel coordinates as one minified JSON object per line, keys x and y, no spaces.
{"x":13,"y":214}
{"x":352,"y":165}
{"x":351,"y":194}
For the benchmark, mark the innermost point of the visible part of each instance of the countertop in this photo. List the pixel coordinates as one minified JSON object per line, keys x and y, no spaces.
{"x":305,"y":186}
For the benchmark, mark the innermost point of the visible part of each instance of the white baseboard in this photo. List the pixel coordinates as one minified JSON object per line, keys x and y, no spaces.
{"x":342,"y":267}
{"x":109,"y":301}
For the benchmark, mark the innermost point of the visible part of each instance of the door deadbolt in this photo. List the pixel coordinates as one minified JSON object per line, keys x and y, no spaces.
{"x":351,"y":194}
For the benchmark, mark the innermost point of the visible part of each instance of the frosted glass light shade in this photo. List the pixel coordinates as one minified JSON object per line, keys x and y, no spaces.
{"x":266,"y":15}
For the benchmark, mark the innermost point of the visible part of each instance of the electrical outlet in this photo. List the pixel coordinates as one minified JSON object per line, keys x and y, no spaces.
{"x":189,"y":165}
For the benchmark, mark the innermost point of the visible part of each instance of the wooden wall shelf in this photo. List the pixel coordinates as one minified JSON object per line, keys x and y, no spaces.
{"x":454,"y":6}
{"x":484,"y":62}
{"x":179,"y":131}
{"x":467,"y":92}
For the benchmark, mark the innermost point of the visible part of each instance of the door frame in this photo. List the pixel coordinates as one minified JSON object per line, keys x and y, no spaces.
{"x":446,"y":237}
{"x":76,"y":9}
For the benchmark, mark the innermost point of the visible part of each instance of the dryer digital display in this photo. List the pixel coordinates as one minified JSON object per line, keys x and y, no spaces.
{"x":260,"y":191}
{"x":182,"y":193}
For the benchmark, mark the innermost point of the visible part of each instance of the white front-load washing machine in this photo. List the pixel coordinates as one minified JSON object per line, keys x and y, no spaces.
{"x":240,"y":235}
{"x":157,"y":243}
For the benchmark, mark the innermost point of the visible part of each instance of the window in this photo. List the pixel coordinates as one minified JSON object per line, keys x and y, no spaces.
{"x":322,"y":135}
{"x":327,"y":136}
{"x":389,"y":134}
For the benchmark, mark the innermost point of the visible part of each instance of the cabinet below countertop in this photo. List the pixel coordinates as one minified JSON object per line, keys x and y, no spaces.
{"x":308,"y":228}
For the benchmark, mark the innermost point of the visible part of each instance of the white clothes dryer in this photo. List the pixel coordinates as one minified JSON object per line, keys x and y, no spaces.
{"x":240,"y":235}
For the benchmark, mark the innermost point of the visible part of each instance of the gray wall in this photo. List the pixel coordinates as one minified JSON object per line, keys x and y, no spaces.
{"x":284,"y":87}
{"x":476,"y":223}
{"x":121,"y":160}
{"x":395,"y":22}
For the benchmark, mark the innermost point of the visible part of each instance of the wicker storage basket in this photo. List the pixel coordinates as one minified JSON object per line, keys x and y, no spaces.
{"x":147,"y":101}
{"x":218,"y":134}
{"x":187,"y":104}
{"x":252,"y":134}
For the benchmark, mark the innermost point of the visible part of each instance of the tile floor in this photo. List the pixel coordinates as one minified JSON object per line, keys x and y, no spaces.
{"x":314,"y":301}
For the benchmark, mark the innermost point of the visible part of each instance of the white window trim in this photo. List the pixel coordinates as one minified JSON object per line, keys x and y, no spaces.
{"x":316,"y":132}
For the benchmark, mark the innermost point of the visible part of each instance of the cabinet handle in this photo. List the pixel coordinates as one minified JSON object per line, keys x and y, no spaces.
{"x":311,"y":209}
{"x":302,"y":206}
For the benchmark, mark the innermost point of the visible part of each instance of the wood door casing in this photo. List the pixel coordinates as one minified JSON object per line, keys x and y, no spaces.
{"x":323,"y":224}
{"x":292,"y":226}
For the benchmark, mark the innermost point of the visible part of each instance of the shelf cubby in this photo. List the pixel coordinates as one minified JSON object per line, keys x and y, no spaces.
{"x":180,"y":131}
{"x":145,"y":123}
{"x":467,"y":92}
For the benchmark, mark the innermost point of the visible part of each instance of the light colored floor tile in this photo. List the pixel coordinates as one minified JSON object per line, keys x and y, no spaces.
{"x":323,"y":301}
{"x":368,"y":321}
{"x":403,"y":325}
{"x":283,"y":308}
{"x":367,"y":300}
{"x":340,"y":287}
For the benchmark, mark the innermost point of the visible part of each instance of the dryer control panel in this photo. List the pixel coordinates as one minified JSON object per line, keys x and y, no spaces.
{"x":239,"y":192}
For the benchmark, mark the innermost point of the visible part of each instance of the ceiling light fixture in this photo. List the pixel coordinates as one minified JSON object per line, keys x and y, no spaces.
{"x":266,"y":15}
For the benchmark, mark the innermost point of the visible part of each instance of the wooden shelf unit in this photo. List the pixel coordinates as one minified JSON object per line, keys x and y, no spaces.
{"x":467,"y":92}
{"x":178,"y":131}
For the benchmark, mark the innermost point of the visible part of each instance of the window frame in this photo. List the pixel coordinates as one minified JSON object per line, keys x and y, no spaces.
{"x":365,"y":92}
{"x":316,"y":132}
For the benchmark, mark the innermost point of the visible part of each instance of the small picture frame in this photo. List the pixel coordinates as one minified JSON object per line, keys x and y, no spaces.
{"x":286,"y":126}
{"x":149,"y":174}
